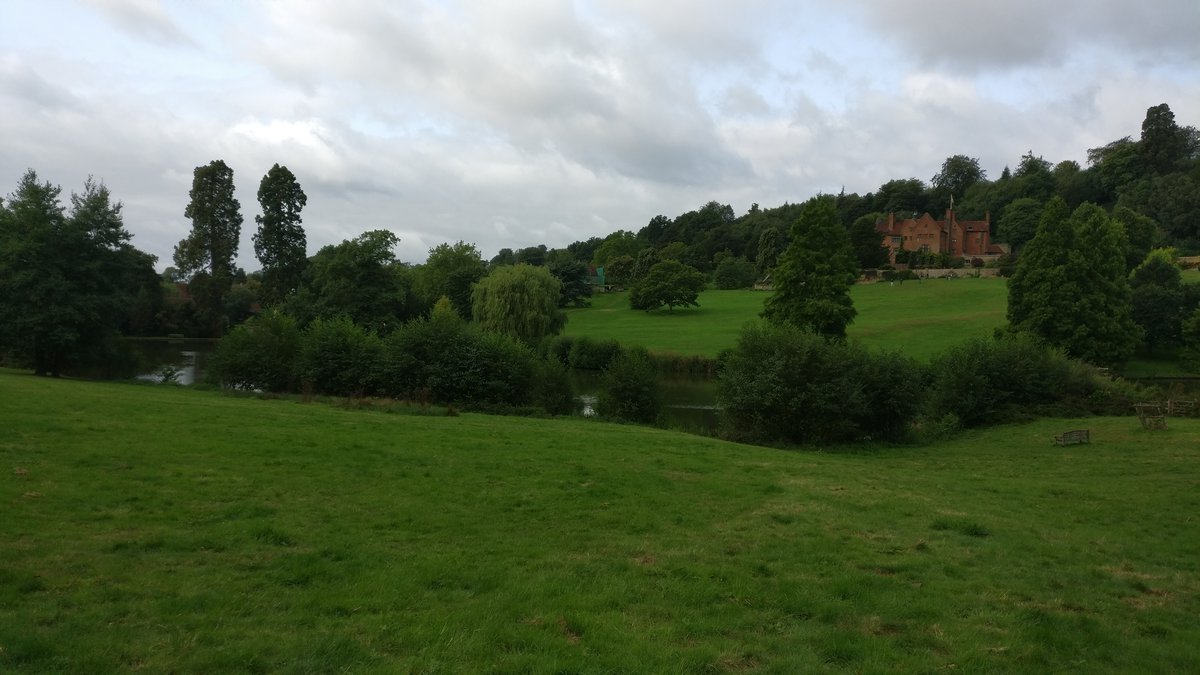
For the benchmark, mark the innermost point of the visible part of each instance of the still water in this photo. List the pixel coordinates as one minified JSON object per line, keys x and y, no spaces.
{"x":689,"y":403}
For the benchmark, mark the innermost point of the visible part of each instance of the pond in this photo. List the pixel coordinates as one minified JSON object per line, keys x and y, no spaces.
{"x":180,"y":361}
{"x":689,"y":402}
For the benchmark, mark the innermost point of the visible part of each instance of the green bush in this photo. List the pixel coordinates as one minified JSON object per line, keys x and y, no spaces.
{"x":629,"y":388}
{"x":339,"y":358}
{"x":451,"y":361}
{"x":1014,"y":376}
{"x":734,"y":273}
{"x":781,"y":383}
{"x":592,"y":354}
{"x":557,"y":348}
{"x":258,"y":354}
{"x":552,"y":390}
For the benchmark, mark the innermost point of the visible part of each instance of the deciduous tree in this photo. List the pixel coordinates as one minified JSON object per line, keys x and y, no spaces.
{"x":669,"y":283}
{"x":451,"y":270}
{"x":1070,"y":286}
{"x":521,"y":301}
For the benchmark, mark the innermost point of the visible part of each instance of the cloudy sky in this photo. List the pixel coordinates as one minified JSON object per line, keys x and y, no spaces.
{"x":514,"y":123}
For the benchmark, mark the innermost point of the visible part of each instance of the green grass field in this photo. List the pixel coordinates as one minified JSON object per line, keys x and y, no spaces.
{"x":169,"y":530}
{"x":919,"y":318}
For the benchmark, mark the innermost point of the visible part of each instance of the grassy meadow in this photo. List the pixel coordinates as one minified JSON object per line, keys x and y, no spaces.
{"x":920,"y":318}
{"x":164,"y":529}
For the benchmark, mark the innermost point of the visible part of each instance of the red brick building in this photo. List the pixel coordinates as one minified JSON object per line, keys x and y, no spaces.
{"x":961,"y":238}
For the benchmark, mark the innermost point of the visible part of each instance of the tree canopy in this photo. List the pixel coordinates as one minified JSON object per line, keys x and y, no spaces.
{"x":1070,"y":286}
{"x":520,"y":301}
{"x":68,"y":282}
{"x":279,"y":243}
{"x":451,"y":270}
{"x":359,"y":278}
{"x":815,"y":273}
{"x":207,"y":253}
{"x":669,"y":283}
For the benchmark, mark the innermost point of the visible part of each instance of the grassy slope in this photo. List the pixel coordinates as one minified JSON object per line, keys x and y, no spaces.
{"x":919,"y":318}
{"x":165,"y":529}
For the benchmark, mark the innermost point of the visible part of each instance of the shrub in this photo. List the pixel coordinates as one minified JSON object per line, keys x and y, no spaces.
{"x":557,"y":348}
{"x":339,"y":358}
{"x":552,"y":390}
{"x":591,"y":354}
{"x":629,"y":388}
{"x":1014,"y":376}
{"x":733,"y":273}
{"x":782,"y":383}
{"x":258,"y":354}
{"x":452,"y":361}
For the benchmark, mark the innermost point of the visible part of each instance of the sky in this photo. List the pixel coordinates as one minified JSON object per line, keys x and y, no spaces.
{"x":526,"y":122}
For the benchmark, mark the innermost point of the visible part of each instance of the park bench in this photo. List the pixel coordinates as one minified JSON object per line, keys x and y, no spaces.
{"x":1073,"y":437}
{"x":1151,"y":415}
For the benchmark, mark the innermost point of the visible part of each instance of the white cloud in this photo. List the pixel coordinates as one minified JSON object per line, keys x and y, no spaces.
{"x":519,"y":123}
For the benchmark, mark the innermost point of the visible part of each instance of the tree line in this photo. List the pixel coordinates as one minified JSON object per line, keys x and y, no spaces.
{"x":71,"y":280}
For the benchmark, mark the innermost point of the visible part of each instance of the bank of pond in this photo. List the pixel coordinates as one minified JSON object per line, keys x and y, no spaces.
{"x":778,"y":385}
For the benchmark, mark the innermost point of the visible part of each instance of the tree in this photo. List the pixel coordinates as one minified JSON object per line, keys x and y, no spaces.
{"x":1019,"y":222}
{"x":1157,"y":299}
{"x":868,"y":242}
{"x":734,"y":272}
{"x":1165,"y":145}
{"x":669,"y":283}
{"x":213,"y":242}
{"x":520,"y":301}
{"x":67,"y":281}
{"x":1033,"y":178}
{"x":615,"y":245}
{"x":573,"y":275}
{"x":359,"y":278}
{"x":1141,"y":232}
{"x":504,"y":257}
{"x":451,"y":270}
{"x":770,"y":245}
{"x":280,"y":244}
{"x":905,"y":196}
{"x":630,"y":389}
{"x":957,"y":175}
{"x":1070,"y":286}
{"x":815,"y":273}
{"x":532,"y":255}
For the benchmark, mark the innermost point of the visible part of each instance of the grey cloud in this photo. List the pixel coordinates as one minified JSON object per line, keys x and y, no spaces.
{"x":969,"y":36}
{"x":603,"y":100}
{"x":145,"y":19}
{"x":19,"y":81}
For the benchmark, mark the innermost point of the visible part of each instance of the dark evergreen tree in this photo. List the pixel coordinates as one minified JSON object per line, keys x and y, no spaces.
{"x":67,"y":282}
{"x":279,"y":243}
{"x":213,"y":242}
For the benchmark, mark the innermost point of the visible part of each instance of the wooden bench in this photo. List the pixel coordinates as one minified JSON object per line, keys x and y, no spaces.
{"x":1073,"y":437}
{"x":1151,"y":415}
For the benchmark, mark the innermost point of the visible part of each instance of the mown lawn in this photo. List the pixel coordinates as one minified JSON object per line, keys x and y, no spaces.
{"x":169,"y":530}
{"x":920,"y":318}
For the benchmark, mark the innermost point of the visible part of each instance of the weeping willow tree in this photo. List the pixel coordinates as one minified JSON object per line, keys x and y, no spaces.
{"x":519,"y":300}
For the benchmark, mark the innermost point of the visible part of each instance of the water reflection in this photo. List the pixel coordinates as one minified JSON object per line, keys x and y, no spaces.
{"x":689,"y":402}
{"x":171,"y":361}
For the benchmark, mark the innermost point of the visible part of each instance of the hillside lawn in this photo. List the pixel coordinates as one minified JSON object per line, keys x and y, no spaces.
{"x":164,"y":529}
{"x":920,"y":318}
